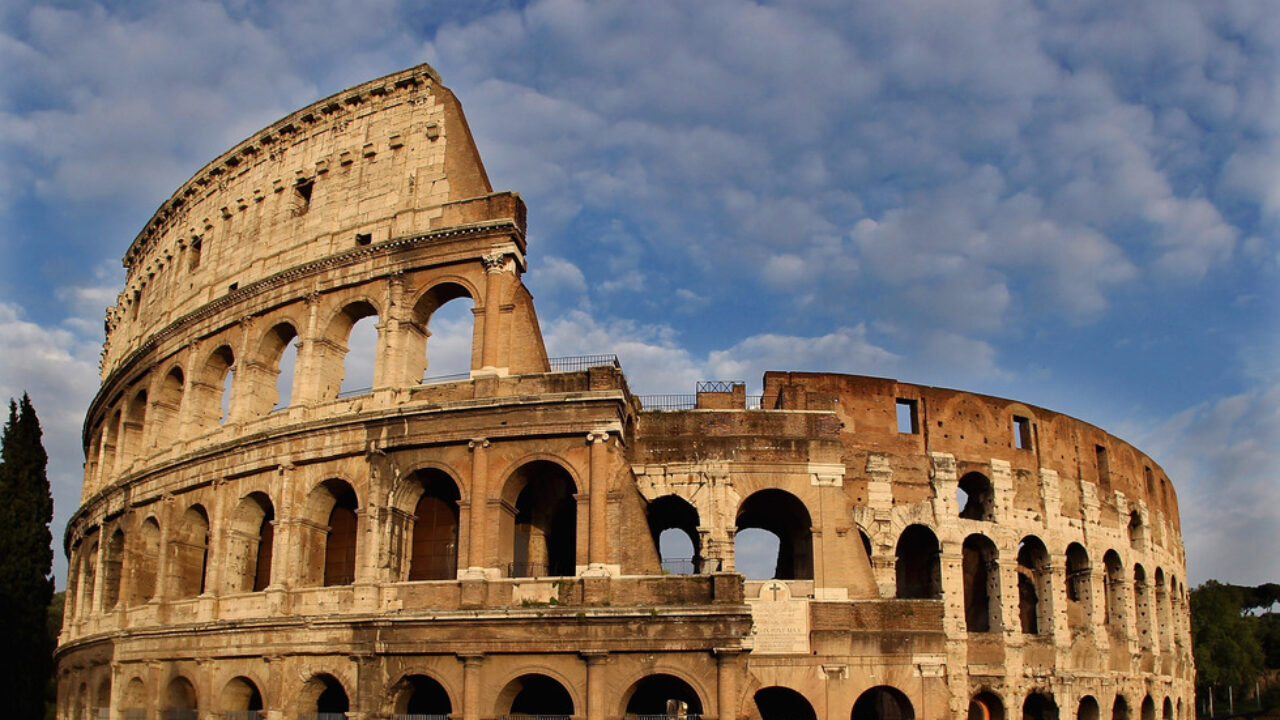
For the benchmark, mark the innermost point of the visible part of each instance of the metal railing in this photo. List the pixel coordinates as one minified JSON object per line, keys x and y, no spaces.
{"x":180,"y":714}
{"x":322,"y":716}
{"x":133,"y":714}
{"x":521,"y":716}
{"x":570,"y":363}
{"x":718,"y":386}
{"x":667,"y":402}
{"x":691,"y":566}
{"x":755,"y":402}
{"x":244,"y":715}
{"x":419,"y":716}
{"x":450,"y":377}
{"x":527,"y":569}
{"x":354,"y":391}
{"x":685,"y":716}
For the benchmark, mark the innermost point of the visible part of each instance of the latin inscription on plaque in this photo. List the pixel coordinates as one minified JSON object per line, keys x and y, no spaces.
{"x":780,"y":625}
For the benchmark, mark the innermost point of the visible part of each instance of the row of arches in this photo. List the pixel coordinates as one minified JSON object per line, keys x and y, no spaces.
{"x":241,"y":375}
{"x":987,"y":705}
{"x":918,"y":569}
{"x":537,"y":529}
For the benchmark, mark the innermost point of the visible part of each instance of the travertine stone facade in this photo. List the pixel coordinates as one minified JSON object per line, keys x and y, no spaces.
{"x":252,"y":544}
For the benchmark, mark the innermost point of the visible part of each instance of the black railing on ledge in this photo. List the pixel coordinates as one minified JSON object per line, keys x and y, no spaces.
{"x":570,"y":363}
{"x":685,"y":716}
{"x":534,"y":569}
{"x":244,"y":715}
{"x":451,"y":377}
{"x":354,"y":391}
{"x":690,"y":566}
{"x":667,"y":402}
{"x":521,"y":716}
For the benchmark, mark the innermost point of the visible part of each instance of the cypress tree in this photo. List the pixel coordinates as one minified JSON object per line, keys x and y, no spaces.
{"x":26,"y":559}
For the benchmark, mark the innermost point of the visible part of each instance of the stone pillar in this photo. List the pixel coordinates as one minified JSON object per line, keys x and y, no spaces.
{"x":597,"y":512}
{"x":727,"y":682}
{"x":495,"y":265}
{"x":471,"y":667}
{"x":476,"y":559}
{"x":595,"y":684}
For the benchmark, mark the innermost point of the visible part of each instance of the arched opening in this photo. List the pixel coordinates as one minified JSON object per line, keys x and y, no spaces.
{"x":166,"y":408}
{"x":189,"y":559}
{"x":541,"y":521}
{"x":143,"y":564}
{"x":433,"y":551}
{"x":102,"y":699}
{"x":1142,"y":606}
{"x":133,"y":701}
{"x":986,"y":705}
{"x":981,"y":584}
{"x":1033,"y":586}
{"x":1039,"y":706}
{"x":917,"y":565}
{"x":180,"y":700}
{"x":1148,"y":708}
{"x":324,"y":698}
{"x":883,"y":703}
{"x":93,"y":456}
{"x":662,"y":695}
{"x":79,"y":701}
{"x":1088,"y":709}
{"x":111,"y":567}
{"x":421,"y":698}
{"x":110,"y":438}
{"x":781,"y":703}
{"x":273,"y":368}
{"x":447,"y":321}
{"x":673,"y":525}
{"x":1120,"y":709}
{"x":330,"y":535}
{"x":134,"y":421}
{"x":976,"y":498}
{"x":1167,"y":713}
{"x":88,"y":573}
{"x":354,"y":332}
{"x":535,"y":694}
{"x":1113,"y":579}
{"x":241,"y":700}
{"x":785,"y":517}
{"x":251,"y":544}
{"x":1163,"y":619}
{"x":216,"y":382}
{"x":1079,"y":588}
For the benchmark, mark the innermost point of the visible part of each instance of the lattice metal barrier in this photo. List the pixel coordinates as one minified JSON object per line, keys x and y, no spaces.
{"x":667,"y":402}
{"x":718,"y":386}
{"x":570,"y":363}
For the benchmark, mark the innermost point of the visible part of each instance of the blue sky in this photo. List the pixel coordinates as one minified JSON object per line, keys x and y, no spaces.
{"x":1076,"y":204}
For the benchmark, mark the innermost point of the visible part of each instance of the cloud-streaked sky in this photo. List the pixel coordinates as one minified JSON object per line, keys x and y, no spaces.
{"x":1076,"y":204}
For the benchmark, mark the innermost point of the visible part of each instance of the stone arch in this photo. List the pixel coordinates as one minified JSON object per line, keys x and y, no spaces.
{"x":1088,"y":709}
{"x":782,"y":703}
{"x":674,"y":515}
{"x":1120,"y":708}
{"x":338,"y":371}
{"x":981,"y":569}
{"x":1167,"y":709}
{"x":110,"y":439}
{"x":250,"y":544}
{"x":1033,"y":586}
{"x":917,"y":564}
{"x":215,"y":385}
{"x":323,"y":693}
{"x":265,"y":367}
{"x":134,"y":698}
{"x":654,"y":693}
{"x":240,"y":694}
{"x":976,"y":497}
{"x":419,"y":346}
{"x":331,"y":533}
{"x":1039,"y":706}
{"x":189,"y":558}
{"x":882,"y":702}
{"x":539,"y":525}
{"x":180,"y":702}
{"x":535,"y":693}
{"x":87,"y":580}
{"x":986,"y":705}
{"x":144,"y":561}
{"x":1141,"y":606}
{"x":102,"y":696}
{"x":166,"y":406}
{"x":1148,"y":708}
{"x":1079,"y":588}
{"x":786,"y":517}
{"x":1114,"y":595}
{"x":428,"y":499}
{"x":1137,"y":529}
{"x":134,"y":423}
{"x":112,"y":563}
{"x":1163,"y":616}
{"x":419,"y":695}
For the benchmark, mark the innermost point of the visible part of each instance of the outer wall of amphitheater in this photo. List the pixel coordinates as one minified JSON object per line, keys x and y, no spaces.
{"x":268,"y":539}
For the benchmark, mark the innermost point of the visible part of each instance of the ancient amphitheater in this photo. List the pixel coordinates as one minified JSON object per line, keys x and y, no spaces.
{"x":259,"y":544}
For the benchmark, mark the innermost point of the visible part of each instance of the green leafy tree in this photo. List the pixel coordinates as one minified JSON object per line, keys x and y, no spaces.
{"x":26,"y":558}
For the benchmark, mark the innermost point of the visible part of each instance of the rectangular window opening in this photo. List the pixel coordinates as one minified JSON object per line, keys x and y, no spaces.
{"x":303,"y":192}
{"x":1151,"y":483}
{"x":908,"y":416}
{"x":364,"y":238}
{"x":1104,"y":470}
{"x":1021,"y":432}
{"x":196,"y":246}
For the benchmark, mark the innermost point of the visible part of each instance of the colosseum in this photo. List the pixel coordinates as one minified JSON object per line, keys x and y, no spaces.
{"x":270,"y":538}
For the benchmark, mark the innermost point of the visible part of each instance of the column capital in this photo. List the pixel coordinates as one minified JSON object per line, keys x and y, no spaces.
{"x":594,"y":657}
{"x":478,"y":443}
{"x":470,"y":657}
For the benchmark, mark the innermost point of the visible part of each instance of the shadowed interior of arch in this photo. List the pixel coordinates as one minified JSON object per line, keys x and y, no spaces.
{"x":663,"y":694}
